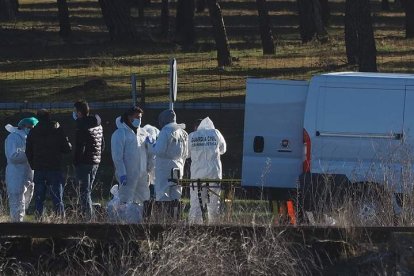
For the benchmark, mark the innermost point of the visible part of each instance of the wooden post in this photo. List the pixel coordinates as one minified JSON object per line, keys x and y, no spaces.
{"x":142,"y":92}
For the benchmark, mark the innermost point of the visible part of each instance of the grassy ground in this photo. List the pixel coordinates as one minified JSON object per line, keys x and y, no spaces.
{"x":36,"y":65}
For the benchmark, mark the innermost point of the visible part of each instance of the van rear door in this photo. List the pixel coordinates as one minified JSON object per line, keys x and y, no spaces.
{"x":273,"y":133}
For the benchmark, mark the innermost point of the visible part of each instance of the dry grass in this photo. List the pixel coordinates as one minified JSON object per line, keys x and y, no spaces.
{"x":176,"y":252}
{"x":385,"y":198}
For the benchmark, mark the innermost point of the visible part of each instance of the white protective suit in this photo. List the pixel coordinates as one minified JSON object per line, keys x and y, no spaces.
{"x":153,"y":133}
{"x":132,"y":158}
{"x":118,"y":213}
{"x":171,"y":150}
{"x":19,"y":175}
{"x":205,"y":145}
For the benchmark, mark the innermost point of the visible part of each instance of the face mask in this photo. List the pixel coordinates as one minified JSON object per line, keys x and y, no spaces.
{"x":136,"y":123}
{"x":27,"y":130}
{"x":74,"y":115}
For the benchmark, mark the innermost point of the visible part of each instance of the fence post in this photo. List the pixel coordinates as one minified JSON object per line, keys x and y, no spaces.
{"x":134,"y":89}
{"x":142,"y":91}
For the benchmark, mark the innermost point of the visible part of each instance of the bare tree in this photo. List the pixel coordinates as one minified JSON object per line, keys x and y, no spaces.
{"x":117,"y":17}
{"x":359,"y":35}
{"x":201,"y":5}
{"x":310,"y":21}
{"x":9,"y":9}
{"x":408,"y":6}
{"x":385,"y":5}
{"x":325,"y":12}
{"x":266,"y":35}
{"x":165,"y":17}
{"x":63,"y":15}
{"x":185,"y":29}
{"x":220,"y":34}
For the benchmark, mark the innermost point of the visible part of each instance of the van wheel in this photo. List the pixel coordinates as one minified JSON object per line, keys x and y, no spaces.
{"x":368,"y":213}
{"x":374,"y":205}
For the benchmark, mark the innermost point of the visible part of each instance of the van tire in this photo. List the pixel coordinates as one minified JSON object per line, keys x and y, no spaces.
{"x":373,"y":204}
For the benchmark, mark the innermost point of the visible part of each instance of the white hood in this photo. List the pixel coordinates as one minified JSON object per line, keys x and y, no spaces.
{"x":10,"y":128}
{"x":206,"y":123}
{"x":118,"y":122}
{"x":152,"y":131}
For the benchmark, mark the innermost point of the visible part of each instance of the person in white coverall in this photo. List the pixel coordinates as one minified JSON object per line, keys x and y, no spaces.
{"x":171,"y":150}
{"x":19,"y":175}
{"x":205,"y":146}
{"x":153,"y":133}
{"x":133,"y":162}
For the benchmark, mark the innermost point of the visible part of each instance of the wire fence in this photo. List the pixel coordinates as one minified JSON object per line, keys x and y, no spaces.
{"x":108,"y":80}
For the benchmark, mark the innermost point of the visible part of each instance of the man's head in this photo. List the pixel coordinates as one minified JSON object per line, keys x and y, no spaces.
{"x":29,"y":122}
{"x":132,"y":116}
{"x":196,"y":123}
{"x":81,"y":109}
{"x":166,"y":117}
{"x":43,"y":115}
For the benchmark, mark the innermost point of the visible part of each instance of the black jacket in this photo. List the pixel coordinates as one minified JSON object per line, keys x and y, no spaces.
{"x":45,"y":145}
{"x":89,"y":140}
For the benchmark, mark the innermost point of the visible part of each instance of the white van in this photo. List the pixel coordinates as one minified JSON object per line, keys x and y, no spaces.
{"x":359,"y":126}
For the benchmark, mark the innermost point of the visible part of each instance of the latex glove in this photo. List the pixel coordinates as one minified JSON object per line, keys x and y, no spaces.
{"x":149,"y":140}
{"x":123,"y":180}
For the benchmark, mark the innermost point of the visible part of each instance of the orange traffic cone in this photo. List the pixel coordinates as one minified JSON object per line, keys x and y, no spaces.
{"x":291,"y":211}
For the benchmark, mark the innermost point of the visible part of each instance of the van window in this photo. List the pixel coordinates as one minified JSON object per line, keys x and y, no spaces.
{"x":258,"y":144}
{"x":360,"y":110}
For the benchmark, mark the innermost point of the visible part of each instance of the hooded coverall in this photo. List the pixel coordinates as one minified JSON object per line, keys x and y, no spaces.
{"x":205,"y":145}
{"x":19,"y":175}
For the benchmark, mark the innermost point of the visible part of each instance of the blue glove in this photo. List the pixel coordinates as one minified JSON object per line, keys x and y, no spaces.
{"x":149,"y":140}
{"x":123,"y":180}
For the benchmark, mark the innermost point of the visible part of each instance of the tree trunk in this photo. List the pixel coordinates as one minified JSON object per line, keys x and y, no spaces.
{"x":351,"y":31}
{"x":201,"y":5}
{"x":310,"y":20}
{"x":15,"y":4}
{"x":63,"y":14}
{"x":306,"y":27}
{"x":220,"y":34}
{"x":165,"y":17}
{"x":321,"y":33}
{"x":266,"y":35}
{"x":368,"y":51}
{"x":141,"y":6}
{"x":409,"y":18}
{"x":385,"y":5}
{"x":185,"y":30}
{"x":117,"y":17}
{"x":359,"y":35}
{"x":326,"y":12}
{"x":8,"y":9}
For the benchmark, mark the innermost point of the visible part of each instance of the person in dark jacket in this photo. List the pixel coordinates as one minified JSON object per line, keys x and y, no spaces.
{"x":88,"y":150}
{"x":45,"y":146}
